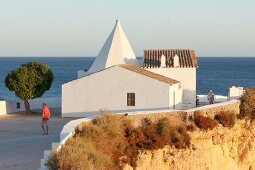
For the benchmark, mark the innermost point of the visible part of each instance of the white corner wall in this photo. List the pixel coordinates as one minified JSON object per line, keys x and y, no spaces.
{"x":235,"y":92}
{"x":10,"y":106}
{"x":175,"y":96}
{"x":187,"y":77}
{"x":2,"y":108}
{"x":108,"y":89}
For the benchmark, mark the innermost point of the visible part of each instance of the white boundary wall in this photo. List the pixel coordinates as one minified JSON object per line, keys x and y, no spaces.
{"x":217,"y":98}
{"x":235,"y":92}
{"x":69,"y":129}
{"x":2,"y":108}
{"x":10,"y":106}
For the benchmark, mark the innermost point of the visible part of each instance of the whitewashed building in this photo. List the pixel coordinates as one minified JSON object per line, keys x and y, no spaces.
{"x":117,"y":82}
{"x":179,"y":64}
{"x":120,"y":88}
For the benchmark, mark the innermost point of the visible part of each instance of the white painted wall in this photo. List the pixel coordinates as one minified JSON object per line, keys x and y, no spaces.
{"x":51,"y":102}
{"x":235,"y":92}
{"x":187,"y":77}
{"x":10,"y":106}
{"x":108,"y":89}
{"x":217,"y":98}
{"x":2,"y":108}
{"x":175,"y":96}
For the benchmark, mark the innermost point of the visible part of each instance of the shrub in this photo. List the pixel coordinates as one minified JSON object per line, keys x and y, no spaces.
{"x":53,"y":161}
{"x":146,"y":121}
{"x":227,"y":119}
{"x":203,"y":122}
{"x":152,"y":139}
{"x":247,"y":107}
{"x":180,"y":137}
{"x":134,"y":137}
{"x":110,"y":123}
{"x":191,"y":127}
{"x":157,"y":135}
{"x":164,"y":129}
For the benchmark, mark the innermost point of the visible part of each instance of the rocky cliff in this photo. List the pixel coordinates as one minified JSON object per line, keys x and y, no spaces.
{"x":221,"y":148}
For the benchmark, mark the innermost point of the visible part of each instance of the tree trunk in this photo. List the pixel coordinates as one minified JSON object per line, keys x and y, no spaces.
{"x":27,"y":106}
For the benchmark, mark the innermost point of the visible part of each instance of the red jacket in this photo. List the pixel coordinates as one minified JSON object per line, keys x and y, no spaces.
{"x":45,"y":113}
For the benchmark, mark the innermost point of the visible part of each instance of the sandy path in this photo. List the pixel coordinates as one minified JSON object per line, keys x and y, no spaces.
{"x":21,"y":140}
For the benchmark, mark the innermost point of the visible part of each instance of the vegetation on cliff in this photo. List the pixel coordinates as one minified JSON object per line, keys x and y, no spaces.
{"x":247,"y":107}
{"x":226,"y":118}
{"x":110,"y":141}
{"x":204,"y":122}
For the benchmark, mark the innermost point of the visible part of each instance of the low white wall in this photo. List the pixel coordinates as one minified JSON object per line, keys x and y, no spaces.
{"x":217,"y":98}
{"x":10,"y":106}
{"x":235,"y":92}
{"x":2,"y":108}
{"x":51,"y":102}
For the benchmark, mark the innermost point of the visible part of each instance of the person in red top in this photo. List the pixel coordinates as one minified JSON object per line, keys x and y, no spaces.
{"x":45,"y":118}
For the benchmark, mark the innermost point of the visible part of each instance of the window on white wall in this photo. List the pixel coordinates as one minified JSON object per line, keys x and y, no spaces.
{"x":130,"y":99}
{"x":18,"y":105}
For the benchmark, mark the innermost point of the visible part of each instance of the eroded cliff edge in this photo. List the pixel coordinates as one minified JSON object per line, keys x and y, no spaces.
{"x":220,"y":148}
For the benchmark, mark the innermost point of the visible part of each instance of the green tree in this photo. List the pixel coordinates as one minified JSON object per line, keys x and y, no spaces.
{"x":29,"y":81}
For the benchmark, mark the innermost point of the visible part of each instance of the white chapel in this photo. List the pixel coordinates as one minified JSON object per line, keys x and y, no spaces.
{"x":117,"y":82}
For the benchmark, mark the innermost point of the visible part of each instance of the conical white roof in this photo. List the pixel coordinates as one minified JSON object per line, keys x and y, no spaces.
{"x":116,"y":50}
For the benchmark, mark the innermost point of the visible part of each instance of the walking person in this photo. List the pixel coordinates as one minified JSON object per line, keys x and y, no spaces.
{"x":210,"y":97}
{"x":45,"y":118}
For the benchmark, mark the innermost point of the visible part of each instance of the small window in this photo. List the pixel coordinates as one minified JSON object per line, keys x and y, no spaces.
{"x":18,"y":105}
{"x":130,"y":99}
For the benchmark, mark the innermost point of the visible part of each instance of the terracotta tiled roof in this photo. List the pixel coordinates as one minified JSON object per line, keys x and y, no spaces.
{"x":147,"y":73}
{"x":187,"y":57}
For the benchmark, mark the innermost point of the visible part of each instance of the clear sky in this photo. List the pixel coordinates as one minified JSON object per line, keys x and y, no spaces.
{"x":80,"y":27}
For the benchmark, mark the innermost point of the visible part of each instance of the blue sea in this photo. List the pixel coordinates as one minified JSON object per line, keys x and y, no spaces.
{"x":215,"y":73}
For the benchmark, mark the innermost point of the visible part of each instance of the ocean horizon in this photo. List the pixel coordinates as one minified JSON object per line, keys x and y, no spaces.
{"x":213,"y":73}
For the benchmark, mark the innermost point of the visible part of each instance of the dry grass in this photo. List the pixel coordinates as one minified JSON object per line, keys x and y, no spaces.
{"x":96,"y":145}
{"x":227,"y":119}
{"x":110,"y":141}
{"x":203,"y":122}
{"x":190,"y":126}
{"x":79,"y":154}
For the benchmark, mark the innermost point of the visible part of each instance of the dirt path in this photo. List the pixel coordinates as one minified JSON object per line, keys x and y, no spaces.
{"x":21,"y":140}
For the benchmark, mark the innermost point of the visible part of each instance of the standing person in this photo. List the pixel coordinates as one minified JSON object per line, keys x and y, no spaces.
{"x":45,"y":118}
{"x":210,"y":97}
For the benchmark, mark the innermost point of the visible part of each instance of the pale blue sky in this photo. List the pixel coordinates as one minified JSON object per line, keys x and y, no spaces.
{"x":80,"y":27}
